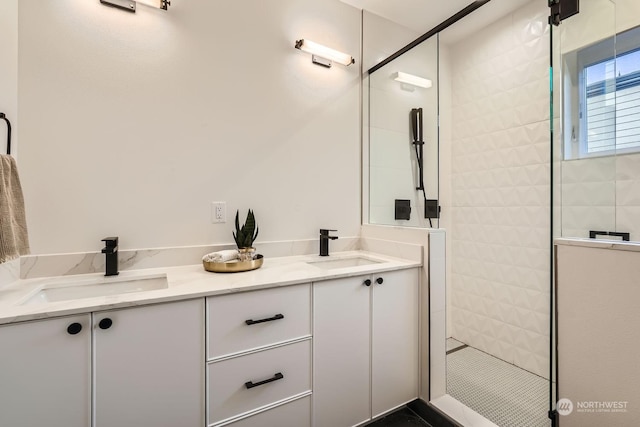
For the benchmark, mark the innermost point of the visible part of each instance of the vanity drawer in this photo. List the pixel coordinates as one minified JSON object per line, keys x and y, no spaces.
{"x":275,"y":315}
{"x":235,"y":384}
{"x":292,"y":414}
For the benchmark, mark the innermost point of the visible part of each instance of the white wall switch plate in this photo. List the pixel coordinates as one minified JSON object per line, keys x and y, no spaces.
{"x":218,"y":212}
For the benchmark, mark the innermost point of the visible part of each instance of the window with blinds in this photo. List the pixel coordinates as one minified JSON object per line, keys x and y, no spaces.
{"x":610,"y":107}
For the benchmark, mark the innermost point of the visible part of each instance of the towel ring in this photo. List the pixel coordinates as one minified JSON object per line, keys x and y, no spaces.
{"x":3,"y":116}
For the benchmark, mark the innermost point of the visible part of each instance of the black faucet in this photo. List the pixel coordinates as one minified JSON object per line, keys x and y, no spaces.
{"x":324,"y":241}
{"x":111,"y":255}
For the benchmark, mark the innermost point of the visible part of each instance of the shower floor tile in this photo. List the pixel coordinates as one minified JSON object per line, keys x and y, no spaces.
{"x":501,"y":392}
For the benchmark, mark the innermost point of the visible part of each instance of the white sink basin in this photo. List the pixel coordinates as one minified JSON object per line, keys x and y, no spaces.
{"x":330,"y":264}
{"x":97,"y":287}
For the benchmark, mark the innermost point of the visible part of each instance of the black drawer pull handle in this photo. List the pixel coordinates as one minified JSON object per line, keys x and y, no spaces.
{"x":269,"y":319}
{"x":276,"y":377}
{"x":379,"y":280}
{"x":367,"y":282}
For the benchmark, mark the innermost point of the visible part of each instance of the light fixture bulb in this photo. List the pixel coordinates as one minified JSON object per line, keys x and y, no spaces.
{"x":324,"y":52}
{"x":160,"y":4}
{"x":412,"y":80}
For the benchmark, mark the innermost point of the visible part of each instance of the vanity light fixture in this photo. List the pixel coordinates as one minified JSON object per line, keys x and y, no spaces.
{"x":322,"y":55}
{"x":130,"y":5}
{"x":412,"y":80}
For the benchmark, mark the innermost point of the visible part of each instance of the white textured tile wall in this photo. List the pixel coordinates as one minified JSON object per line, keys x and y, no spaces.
{"x":500,"y":189}
{"x":628,"y":195}
{"x":602,"y":194}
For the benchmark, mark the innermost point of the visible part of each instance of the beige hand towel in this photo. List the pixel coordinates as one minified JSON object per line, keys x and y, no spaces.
{"x":14,"y":240}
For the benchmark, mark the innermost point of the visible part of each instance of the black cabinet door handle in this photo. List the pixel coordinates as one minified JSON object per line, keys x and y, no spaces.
{"x":105,"y":323}
{"x":367,"y":282}
{"x":268,"y":319}
{"x":74,"y":328}
{"x":379,"y":280}
{"x":276,"y":377}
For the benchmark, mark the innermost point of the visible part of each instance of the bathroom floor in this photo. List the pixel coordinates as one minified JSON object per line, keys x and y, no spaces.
{"x":501,"y":392}
{"x":403,"y":417}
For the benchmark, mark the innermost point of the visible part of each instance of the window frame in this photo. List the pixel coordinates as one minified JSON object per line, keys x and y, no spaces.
{"x":605,"y":50}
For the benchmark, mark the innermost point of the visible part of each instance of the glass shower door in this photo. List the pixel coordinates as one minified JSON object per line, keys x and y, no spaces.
{"x":584,"y":72}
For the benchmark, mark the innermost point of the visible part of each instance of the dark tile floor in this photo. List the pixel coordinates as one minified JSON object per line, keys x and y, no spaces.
{"x":403,"y":417}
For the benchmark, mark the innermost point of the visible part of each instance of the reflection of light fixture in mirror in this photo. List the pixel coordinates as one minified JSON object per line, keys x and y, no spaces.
{"x":410,"y":82}
{"x":322,"y":55}
{"x":130,"y":5}
{"x":160,"y":4}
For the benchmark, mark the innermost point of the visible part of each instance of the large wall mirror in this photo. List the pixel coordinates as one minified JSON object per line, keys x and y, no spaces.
{"x":403,"y":139}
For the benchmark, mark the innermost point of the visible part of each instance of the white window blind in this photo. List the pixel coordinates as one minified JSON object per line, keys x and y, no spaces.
{"x":612,"y":104}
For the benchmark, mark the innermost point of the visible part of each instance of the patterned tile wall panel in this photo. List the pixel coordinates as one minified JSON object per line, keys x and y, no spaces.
{"x":628,"y":195}
{"x":601,"y":193}
{"x":500,"y":174}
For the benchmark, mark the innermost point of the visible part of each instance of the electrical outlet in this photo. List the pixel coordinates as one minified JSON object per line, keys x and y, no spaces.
{"x":218,"y":212}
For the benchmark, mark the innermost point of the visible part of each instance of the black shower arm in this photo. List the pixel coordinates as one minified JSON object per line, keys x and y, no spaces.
{"x":3,"y":116}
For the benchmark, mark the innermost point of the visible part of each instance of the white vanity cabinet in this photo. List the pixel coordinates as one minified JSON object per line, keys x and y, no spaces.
{"x":259,"y":358}
{"x":365,"y":349}
{"x":44,"y":373}
{"x":148,"y":366}
{"x":138,"y":367}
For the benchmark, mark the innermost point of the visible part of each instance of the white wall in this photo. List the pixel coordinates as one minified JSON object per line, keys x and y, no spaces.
{"x":382,"y":38}
{"x":499,"y":197}
{"x":9,"y":71}
{"x":132,"y":124}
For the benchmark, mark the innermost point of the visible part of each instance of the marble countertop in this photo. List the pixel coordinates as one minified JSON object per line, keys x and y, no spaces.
{"x":185,"y":282}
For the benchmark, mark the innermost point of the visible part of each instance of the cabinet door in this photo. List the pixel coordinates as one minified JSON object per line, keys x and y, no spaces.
{"x":45,"y":373}
{"x":149,"y":366}
{"x":394,"y":340}
{"x":341,"y":342}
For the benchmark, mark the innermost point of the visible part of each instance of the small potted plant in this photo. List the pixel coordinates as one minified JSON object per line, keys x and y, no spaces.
{"x":245,"y":236}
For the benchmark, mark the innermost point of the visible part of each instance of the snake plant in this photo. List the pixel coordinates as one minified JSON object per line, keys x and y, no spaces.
{"x":246,"y":235}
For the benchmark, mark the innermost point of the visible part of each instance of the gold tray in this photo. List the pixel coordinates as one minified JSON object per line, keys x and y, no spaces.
{"x":233,"y":266}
